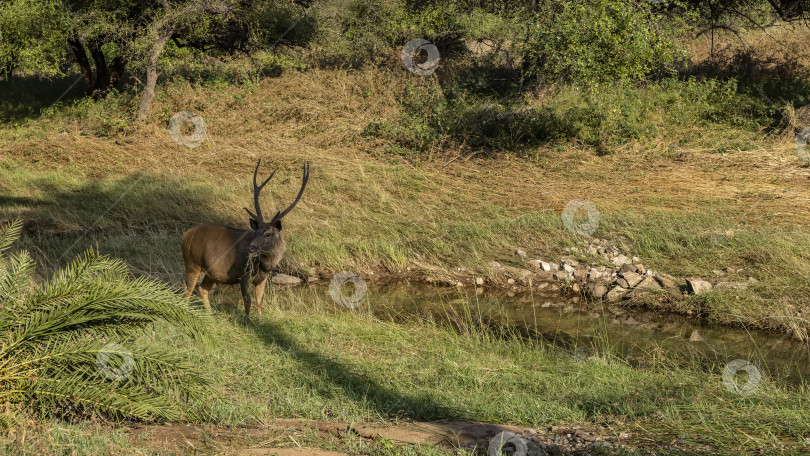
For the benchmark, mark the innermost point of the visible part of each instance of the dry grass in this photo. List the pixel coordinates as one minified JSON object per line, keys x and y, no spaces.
{"x":373,"y":212}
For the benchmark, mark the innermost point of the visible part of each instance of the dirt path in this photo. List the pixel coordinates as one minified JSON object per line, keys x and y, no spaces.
{"x":293,"y":437}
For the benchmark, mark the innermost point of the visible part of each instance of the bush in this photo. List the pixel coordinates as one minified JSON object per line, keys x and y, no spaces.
{"x":602,"y":40}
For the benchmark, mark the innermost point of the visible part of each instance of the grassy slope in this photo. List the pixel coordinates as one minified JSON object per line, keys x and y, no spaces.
{"x":369,"y":211}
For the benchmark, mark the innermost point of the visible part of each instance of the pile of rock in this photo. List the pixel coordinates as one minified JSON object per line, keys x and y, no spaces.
{"x":613,"y":284}
{"x":627,"y":278}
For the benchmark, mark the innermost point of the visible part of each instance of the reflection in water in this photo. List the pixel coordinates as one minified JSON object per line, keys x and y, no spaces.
{"x":588,"y":329}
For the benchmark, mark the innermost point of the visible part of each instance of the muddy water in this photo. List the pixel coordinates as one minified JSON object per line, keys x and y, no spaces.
{"x":588,"y":329}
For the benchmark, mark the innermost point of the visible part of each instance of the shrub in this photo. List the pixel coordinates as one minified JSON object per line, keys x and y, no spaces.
{"x":602,"y":40}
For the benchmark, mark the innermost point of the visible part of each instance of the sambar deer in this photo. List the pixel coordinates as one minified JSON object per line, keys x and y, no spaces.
{"x":232,"y":255}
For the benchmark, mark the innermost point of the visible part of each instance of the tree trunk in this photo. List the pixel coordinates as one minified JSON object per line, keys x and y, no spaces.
{"x":98,"y":84}
{"x":152,"y":75}
{"x":81,"y":58}
{"x":101,"y":85}
{"x":117,"y":65}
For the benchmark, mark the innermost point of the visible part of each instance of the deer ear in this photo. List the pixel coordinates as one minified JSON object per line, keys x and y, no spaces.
{"x":277,"y":224}
{"x":254,"y":224}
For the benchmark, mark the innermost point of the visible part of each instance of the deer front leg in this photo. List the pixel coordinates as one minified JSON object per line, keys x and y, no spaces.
{"x":259,"y":286}
{"x":245,"y":284}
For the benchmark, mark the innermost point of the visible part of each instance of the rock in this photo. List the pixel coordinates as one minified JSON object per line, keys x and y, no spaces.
{"x":616,"y":294}
{"x":665,"y":281}
{"x":510,"y":281}
{"x":732,"y":285}
{"x":622,"y":283}
{"x":696,"y":285}
{"x":695,"y":336}
{"x":479,"y":280}
{"x":284,"y":279}
{"x":648,"y":283}
{"x":636,"y":259}
{"x":520,"y":253}
{"x":567,"y":267}
{"x":641,"y":269}
{"x":576,"y":288}
{"x":597,"y":290}
{"x":562,"y":275}
{"x":535,"y":264}
{"x":717,"y":272}
{"x":459,"y":285}
{"x":627,"y":267}
{"x":619,"y":260}
{"x":311,"y":279}
{"x":599,"y":273}
{"x":581,"y":274}
{"x":544,"y":266}
{"x":631,"y":278}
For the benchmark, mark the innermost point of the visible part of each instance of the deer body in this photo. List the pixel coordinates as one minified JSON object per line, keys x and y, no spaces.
{"x":229,"y":255}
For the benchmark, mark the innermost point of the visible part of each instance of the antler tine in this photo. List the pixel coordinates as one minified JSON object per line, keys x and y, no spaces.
{"x":304,"y":180}
{"x":257,"y":189}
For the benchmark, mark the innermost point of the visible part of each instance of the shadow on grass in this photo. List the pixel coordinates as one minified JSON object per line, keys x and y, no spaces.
{"x":24,"y":98}
{"x":386,"y":402}
{"x":139,"y":202}
{"x":139,"y":218}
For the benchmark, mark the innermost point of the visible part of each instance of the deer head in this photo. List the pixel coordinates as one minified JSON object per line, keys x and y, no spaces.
{"x":266,"y":234}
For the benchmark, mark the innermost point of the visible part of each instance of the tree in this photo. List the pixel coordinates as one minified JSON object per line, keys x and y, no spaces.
{"x":601,"y":41}
{"x":103,"y":37}
{"x":32,"y":36}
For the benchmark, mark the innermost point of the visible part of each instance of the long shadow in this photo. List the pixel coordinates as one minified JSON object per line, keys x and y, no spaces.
{"x":139,"y":218}
{"x":23,"y":98}
{"x":357,"y":385}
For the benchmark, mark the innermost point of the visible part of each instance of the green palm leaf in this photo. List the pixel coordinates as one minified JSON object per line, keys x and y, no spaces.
{"x":76,"y":342}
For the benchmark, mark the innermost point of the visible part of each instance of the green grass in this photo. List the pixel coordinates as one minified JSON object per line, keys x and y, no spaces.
{"x":84,"y":174}
{"x":389,"y":218}
{"x":307,"y":359}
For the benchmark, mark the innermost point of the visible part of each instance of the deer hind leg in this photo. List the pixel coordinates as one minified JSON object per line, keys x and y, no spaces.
{"x":192,"y":274}
{"x":245,"y":285}
{"x":205,"y":287}
{"x":260,"y":285}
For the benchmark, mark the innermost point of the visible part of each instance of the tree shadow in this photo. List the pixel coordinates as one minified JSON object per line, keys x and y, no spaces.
{"x":24,"y":98}
{"x":140,"y":218}
{"x":358,"y":386}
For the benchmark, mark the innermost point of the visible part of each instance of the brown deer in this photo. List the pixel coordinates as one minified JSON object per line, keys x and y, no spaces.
{"x":232,"y":255}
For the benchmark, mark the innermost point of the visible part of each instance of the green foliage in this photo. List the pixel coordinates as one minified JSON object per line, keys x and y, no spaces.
{"x":601,"y":41}
{"x":74,"y":343}
{"x":33,"y":34}
{"x":357,"y":32}
{"x":601,"y":116}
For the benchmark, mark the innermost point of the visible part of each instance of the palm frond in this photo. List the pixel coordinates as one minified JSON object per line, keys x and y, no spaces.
{"x":15,"y":276}
{"x":62,"y":338}
{"x":9,"y":233}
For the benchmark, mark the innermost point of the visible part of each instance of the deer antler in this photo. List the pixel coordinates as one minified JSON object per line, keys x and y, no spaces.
{"x":305,"y":178}
{"x":257,"y":189}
